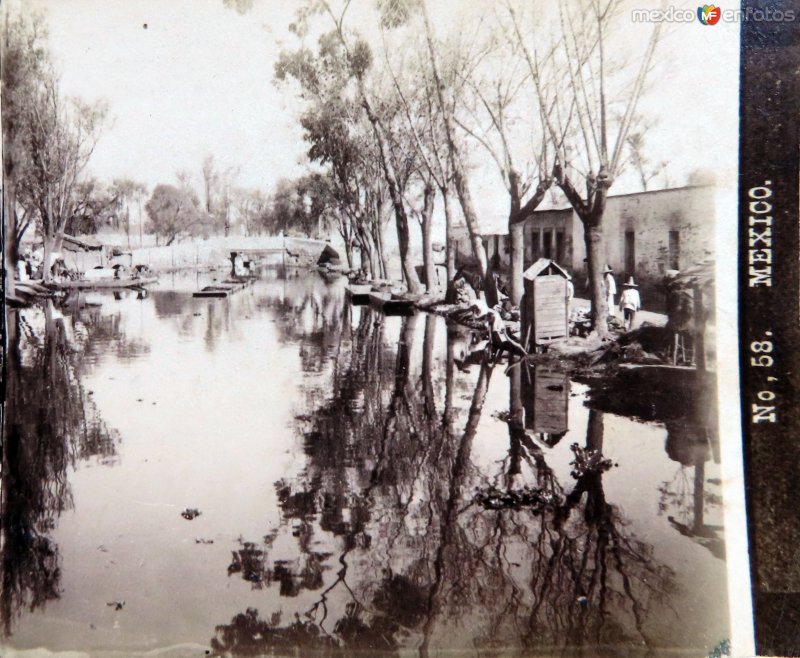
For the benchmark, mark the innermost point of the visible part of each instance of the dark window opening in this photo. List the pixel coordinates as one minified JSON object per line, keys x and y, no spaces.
{"x":674,"y":250}
{"x":560,"y":247}
{"x":630,"y":253}
{"x":548,"y":243}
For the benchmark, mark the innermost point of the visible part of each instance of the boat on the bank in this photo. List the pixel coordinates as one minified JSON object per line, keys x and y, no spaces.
{"x":390,"y":303}
{"x":104,"y":283}
{"x":358,"y":292}
{"x":225,"y":288}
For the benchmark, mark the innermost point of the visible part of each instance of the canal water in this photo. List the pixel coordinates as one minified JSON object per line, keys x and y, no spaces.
{"x":284,"y":473}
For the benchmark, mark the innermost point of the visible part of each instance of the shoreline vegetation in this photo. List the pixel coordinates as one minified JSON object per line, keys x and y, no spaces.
{"x":586,"y":357}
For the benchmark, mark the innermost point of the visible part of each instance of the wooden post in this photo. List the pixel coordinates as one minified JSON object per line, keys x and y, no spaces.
{"x":699,"y":329}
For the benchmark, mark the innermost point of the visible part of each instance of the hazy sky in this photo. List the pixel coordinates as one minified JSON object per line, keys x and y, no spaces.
{"x":198,"y":80}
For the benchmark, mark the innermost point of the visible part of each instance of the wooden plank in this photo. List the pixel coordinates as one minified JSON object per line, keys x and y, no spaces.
{"x":550,"y":316}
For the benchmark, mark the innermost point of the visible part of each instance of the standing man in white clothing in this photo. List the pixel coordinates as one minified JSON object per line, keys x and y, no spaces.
{"x":611,"y":288}
{"x":629,"y":303}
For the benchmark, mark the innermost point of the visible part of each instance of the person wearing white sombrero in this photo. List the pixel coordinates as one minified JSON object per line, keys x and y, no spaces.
{"x":629,"y":302}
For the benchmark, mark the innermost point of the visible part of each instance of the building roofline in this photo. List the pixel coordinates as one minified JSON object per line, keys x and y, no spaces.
{"x":569,"y":208}
{"x":626,"y":194}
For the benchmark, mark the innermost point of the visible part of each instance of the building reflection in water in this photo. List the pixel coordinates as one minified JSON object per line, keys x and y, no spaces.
{"x":49,"y":423}
{"x":427,"y":549}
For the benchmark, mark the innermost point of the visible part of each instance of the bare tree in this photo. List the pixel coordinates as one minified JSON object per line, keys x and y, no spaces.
{"x":217,"y":193}
{"x":249,"y":206}
{"x":424,"y":214}
{"x":646,"y":169}
{"x":399,"y":12}
{"x":48,"y":139}
{"x":426,"y":131}
{"x":353,"y":57}
{"x":588,"y":138}
{"x":63,"y":134}
{"x":500,"y":117}
{"x":125,"y":192}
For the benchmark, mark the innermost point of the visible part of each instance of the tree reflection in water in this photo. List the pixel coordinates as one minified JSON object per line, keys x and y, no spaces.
{"x":49,"y":423}
{"x":686,"y":505}
{"x":392,"y":489}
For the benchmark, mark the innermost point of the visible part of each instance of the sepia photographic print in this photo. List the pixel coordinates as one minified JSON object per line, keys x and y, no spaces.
{"x":390,"y":328}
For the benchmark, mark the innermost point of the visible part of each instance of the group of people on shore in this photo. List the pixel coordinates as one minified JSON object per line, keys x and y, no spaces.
{"x":501,"y":341}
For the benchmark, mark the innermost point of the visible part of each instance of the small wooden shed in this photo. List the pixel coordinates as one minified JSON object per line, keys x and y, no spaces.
{"x":545,"y":306}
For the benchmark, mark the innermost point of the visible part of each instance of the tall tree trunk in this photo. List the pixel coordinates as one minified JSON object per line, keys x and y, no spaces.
{"x":517,"y":239}
{"x":450,"y":368}
{"x":429,"y":267}
{"x":375,"y":250}
{"x":9,"y":188}
{"x":468,"y":209}
{"x":427,"y":366}
{"x":47,"y":266}
{"x":594,"y":431}
{"x":516,"y":425}
{"x":365,"y":250}
{"x":373,"y":265}
{"x":450,"y":254}
{"x":699,"y":484}
{"x":395,"y":193}
{"x":10,"y":238}
{"x":517,"y":215}
{"x":449,"y":513}
{"x":377,"y":236}
{"x":348,"y":254}
{"x":593,"y":238}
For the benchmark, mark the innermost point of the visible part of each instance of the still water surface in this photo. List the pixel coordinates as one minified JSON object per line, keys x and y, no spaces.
{"x":358,"y":487}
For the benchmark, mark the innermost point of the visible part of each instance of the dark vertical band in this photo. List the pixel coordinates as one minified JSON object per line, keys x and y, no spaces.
{"x":769,"y":302}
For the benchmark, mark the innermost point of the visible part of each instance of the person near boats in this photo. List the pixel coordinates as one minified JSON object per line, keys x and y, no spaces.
{"x":499,"y":338}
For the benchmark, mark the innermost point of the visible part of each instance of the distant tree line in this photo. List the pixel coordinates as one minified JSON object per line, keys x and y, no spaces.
{"x":299,"y":206}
